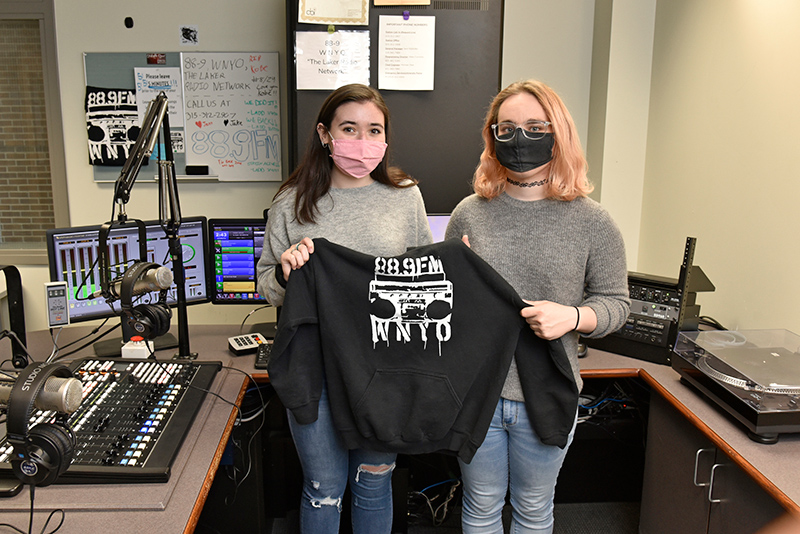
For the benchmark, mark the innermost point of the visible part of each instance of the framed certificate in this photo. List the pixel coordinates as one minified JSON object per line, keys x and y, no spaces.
{"x":355,"y":12}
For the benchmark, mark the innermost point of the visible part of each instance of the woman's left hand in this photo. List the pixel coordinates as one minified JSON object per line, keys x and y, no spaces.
{"x":549,"y":320}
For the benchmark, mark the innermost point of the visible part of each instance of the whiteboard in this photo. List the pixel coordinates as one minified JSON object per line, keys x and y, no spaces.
{"x":232,"y":114}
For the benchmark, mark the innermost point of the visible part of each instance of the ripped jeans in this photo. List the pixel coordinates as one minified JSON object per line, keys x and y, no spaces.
{"x":327,"y":468}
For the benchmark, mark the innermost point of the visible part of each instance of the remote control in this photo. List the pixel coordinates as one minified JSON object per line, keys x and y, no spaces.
{"x":262,"y":355}
{"x":245,"y":344}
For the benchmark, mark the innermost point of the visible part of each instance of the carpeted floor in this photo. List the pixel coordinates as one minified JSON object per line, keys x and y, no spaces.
{"x":570,"y":518}
{"x":597,"y":518}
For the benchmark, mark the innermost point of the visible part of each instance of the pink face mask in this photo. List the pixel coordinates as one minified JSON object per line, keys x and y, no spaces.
{"x":357,"y":157}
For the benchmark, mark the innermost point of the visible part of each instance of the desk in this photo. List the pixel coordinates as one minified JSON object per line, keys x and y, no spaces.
{"x":175,"y":506}
{"x":773,"y":467}
{"x":171,"y":507}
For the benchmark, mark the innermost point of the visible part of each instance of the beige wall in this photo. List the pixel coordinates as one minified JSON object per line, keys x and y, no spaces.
{"x":718,"y":141}
{"x":710,"y":152}
{"x":623,"y":108}
{"x":722,"y":155}
{"x":551,"y":41}
{"x":245,"y":25}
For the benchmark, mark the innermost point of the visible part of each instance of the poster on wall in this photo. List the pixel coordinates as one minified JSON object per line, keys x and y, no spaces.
{"x":232,"y":114}
{"x":330,"y":60}
{"x":150,"y":81}
{"x":112,"y":124}
{"x":406,"y":50}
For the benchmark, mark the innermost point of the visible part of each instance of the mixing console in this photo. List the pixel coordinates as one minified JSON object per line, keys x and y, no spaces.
{"x":132,"y":419}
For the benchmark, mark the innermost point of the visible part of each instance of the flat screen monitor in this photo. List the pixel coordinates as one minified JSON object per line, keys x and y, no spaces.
{"x":438,"y":223}
{"x":73,"y":258}
{"x":234,"y":250}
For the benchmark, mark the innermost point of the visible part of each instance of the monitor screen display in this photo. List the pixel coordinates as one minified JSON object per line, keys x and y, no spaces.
{"x":73,"y":258}
{"x":438,"y":223}
{"x":235,"y":248}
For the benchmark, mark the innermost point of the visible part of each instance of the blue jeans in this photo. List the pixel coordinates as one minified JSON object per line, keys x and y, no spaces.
{"x":327,"y":467}
{"x":511,"y":458}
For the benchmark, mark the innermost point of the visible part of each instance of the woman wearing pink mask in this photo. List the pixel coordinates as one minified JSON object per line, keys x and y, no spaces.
{"x":342,"y":190}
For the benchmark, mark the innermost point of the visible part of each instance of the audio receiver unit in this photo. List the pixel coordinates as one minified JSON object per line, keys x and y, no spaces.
{"x":660,"y":308}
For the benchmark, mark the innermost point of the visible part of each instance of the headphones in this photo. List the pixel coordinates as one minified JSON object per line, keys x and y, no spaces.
{"x":45,"y":451}
{"x":147,"y":320}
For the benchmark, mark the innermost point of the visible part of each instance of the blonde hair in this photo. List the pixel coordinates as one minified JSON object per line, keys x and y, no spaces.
{"x":568,"y":167}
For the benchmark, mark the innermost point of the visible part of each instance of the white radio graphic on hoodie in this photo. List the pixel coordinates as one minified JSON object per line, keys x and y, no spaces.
{"x":410,"y":297}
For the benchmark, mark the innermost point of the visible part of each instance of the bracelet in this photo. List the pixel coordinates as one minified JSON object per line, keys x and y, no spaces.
{"x":578,"y":322}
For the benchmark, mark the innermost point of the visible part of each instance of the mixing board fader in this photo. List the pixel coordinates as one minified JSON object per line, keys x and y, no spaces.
{"x":132,"y":419}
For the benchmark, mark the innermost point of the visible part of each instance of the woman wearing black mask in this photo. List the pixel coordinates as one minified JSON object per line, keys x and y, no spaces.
{"x":530,"y":218}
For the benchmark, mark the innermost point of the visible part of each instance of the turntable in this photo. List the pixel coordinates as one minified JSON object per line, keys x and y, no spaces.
{"x":752,"y":374}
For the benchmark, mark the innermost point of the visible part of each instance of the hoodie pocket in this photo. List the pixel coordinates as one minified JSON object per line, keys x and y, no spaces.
{"x":407,"y":405}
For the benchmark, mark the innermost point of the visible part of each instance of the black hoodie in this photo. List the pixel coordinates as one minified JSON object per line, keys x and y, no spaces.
{"x":414,"y":350}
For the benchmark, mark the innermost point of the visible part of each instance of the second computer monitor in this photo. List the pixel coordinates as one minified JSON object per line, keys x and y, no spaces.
{"x":438,"y":223}
{"x":235,"y":248}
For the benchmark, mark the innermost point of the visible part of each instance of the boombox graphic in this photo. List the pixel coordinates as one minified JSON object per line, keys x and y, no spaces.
{"x":112,"y":124}
{"x":411,"y":302}
{"x":406,"y":299}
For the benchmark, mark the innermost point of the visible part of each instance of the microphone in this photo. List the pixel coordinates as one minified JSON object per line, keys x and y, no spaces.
{"x":150,"y":280}
{"x":58,"y":394}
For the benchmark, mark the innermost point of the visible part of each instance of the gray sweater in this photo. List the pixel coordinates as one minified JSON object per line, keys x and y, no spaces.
{"x":571,"y":253}
{"x":375,"y":219}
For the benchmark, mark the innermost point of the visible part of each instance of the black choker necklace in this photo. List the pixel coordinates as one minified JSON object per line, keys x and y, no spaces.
{"x":527,"y":184}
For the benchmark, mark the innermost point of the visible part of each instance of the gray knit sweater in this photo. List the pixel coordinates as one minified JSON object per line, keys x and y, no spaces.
{"x":375,"y":219}
{"x":571,"y":253}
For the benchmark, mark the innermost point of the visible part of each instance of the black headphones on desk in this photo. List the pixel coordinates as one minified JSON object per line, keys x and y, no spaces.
{"x":147,"y":320}
{"x":44,"y":452}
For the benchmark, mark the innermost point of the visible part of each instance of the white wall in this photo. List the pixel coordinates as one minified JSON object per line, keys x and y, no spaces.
{"x":562,"y":59}
{"x":720,"y":130}
{"x":710,"y":152}
{"x":98,"y":26}
{"x":626,"y":103}
{"x":722,"y":160}
{"x":551,"y":41}
{"x":246,"y":25}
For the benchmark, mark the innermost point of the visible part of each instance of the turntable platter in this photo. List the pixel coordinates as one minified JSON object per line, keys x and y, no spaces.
{"x":767,"y":369}
{"x":754,"y":375}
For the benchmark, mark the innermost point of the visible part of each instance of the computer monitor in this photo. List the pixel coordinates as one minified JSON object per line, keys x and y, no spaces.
{"x":438,"y":223}
{"x":73,"y":258}
{"x":235,"y":247}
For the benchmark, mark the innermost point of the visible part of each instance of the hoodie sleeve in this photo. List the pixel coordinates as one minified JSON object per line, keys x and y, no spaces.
{"x":296,"y":367}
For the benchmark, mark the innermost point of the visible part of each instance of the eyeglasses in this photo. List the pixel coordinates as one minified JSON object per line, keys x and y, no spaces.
{"x":533,"y":130}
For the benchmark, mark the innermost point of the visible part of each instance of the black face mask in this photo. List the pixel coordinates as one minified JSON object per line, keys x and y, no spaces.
{"x":521,"y":154}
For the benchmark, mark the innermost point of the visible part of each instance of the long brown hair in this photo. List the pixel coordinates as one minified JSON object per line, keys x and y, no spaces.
{"x":312,"y":177}
{"x":567,"y":168}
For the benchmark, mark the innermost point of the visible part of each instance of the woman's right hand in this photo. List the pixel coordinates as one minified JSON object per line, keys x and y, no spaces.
{"x":296,"y":256}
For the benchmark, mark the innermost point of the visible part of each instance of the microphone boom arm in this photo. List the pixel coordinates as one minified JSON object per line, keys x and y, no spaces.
{"x":143,"y":148}
{"x":170,"y":214}
{"x":157,"y":119}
